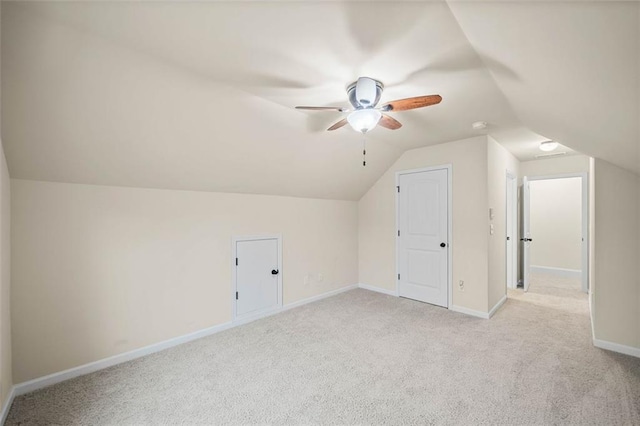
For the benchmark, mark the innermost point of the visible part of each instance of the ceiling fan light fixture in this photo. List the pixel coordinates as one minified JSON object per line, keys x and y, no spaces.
{"x":363,"y":120}
{"x":548,"y":146}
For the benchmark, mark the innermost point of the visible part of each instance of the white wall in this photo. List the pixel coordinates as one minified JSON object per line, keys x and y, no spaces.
{"x":499,"y":162}
{"x":6,"y":379}
{"x":98,"y":270}
{"x":616,"y":284}
{"x":555,"y":166}
{"x":377,"y":226}
{"x":556,"y":223}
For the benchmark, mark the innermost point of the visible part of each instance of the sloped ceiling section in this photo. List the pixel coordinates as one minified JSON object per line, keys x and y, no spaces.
{"x":574,"y":69}
{"x":200,"y":96}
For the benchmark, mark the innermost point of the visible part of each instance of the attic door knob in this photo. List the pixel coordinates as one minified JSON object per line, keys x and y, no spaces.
{"x":443,"y":245}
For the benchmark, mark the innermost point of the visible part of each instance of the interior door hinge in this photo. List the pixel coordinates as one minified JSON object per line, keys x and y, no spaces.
{"x":236,"y":295}
{"x":398,"y":232}
{"x":236,"y":261}
{"x":398,"y":276}
{"x":398,"y":188}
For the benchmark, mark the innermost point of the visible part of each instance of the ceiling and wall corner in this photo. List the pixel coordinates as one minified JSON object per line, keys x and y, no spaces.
{"x":573,"y":71}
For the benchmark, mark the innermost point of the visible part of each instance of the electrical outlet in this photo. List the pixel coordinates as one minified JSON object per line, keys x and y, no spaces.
{"x":461,"y":285}
{"x":320,"y":278}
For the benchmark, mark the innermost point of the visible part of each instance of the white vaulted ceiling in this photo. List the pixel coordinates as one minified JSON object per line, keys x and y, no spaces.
{"x":200,"y":96}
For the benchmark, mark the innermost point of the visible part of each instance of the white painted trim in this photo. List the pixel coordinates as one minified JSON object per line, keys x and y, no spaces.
{"x":479,"y":314}
{"x":616,"y":347}
{"x":7,"y":405}
{"x":558,"y":272}
{"x":497,"y":306}
{"x":52,"y":379}
{"x":511,"y":179}
{"x":585,"y":232}
{"x":526,"y":232}
{"x":319,"y":297}
{"x":234,"y":284}
{"x":449,"y":168}
{"x":467,"y":311}
{"x":378,"y":289}
{"x":593,"y":327}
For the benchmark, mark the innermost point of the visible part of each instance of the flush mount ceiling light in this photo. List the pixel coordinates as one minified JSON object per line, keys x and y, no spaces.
{"x":548,"y":146}
{"x":479,"y":125}
{"x":363,"y":120}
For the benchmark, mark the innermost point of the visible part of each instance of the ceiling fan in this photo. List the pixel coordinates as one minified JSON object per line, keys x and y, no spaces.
{"x":364,"y":95}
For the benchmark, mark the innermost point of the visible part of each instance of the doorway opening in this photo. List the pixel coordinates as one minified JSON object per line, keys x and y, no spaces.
{"x":554,"y":232}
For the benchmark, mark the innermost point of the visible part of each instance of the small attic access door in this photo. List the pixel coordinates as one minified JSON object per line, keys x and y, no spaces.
{"x":257,"y":277}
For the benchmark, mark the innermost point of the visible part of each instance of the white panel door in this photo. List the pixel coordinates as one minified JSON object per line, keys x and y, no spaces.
{"x":257,"y":284}
{"x":526,"y":233}
{"x":423,"y":236}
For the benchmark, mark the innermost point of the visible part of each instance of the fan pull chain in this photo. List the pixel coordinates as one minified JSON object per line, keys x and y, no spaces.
{"x":364,"y":149}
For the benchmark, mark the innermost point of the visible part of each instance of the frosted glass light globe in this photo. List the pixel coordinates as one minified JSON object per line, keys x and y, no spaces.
{"x":363,"y":120}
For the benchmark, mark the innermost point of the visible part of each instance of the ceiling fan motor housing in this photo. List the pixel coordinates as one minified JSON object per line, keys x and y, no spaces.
{"x":365,"y":93}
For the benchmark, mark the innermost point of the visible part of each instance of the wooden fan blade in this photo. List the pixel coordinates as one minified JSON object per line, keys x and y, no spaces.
{"x":389,"y":122}
{"x":317,"y":108}
{"x":412,"y":103}
{"x":338,"y":124}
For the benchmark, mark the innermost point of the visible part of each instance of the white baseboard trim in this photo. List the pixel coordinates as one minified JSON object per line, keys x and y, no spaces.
{"x":616,"y":347}
{"x":52,"y":379}
{"x":378,"y":289}
{"x":7,"y":405}
{"x":479,"y":314}
{"x":558,"y":272}
{"x":497,"y":306}
{"x":245,"y":320}
{"x":318,"y":297}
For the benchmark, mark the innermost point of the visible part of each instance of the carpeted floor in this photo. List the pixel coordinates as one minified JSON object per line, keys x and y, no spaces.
{"x":366,"y":358}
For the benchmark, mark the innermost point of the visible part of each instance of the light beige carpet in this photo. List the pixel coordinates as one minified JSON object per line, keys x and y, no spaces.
{"x":366,"y":358}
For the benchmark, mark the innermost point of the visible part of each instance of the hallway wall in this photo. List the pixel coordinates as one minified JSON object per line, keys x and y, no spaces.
{"x":556,"y":223}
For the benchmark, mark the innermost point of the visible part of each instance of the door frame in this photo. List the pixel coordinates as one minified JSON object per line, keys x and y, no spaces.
{"x":234,"y":282}
{"x":525,"y":236}
{"x":449,"y":169}
{"x":511,"y":178}
{"x":584,"y":176}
